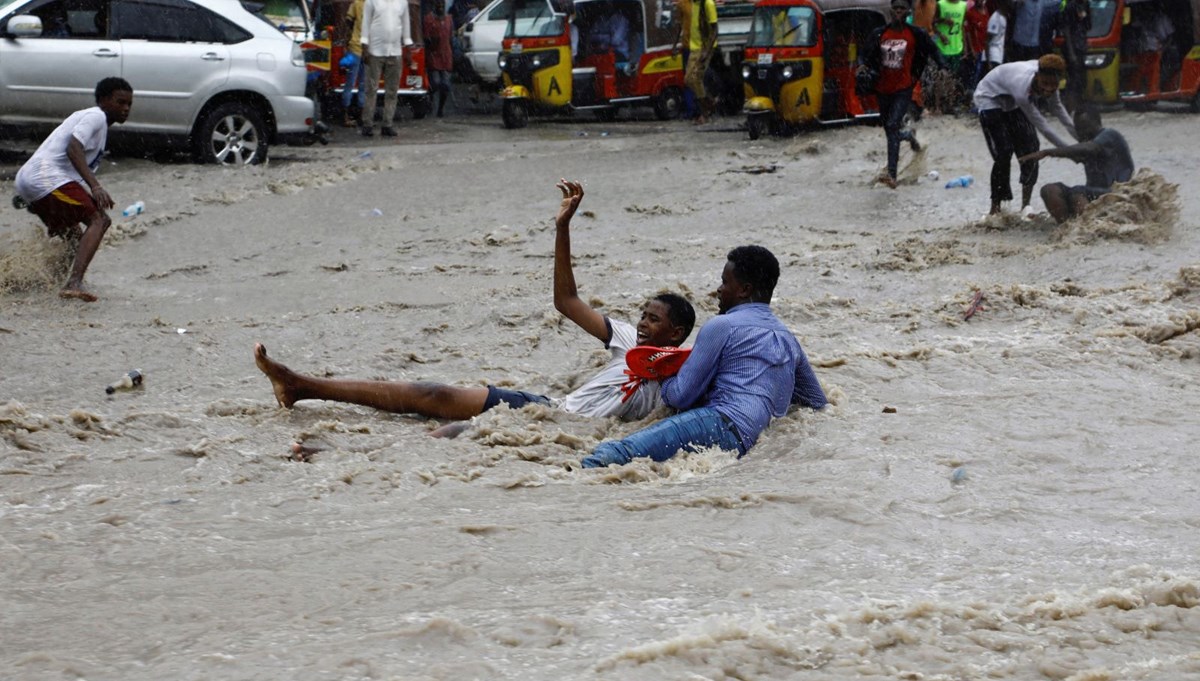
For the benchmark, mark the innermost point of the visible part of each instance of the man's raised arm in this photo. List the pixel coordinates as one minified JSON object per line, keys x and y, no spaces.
{"x":566,"y":296}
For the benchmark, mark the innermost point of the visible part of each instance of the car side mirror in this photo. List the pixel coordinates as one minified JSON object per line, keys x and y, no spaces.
{"x":23,"y":26}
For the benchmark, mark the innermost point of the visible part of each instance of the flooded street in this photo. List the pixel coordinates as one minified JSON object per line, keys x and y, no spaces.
{"x":1009,"y":496}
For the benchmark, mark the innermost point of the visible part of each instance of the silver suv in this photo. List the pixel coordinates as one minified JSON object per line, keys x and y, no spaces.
{"x":207,"y":73}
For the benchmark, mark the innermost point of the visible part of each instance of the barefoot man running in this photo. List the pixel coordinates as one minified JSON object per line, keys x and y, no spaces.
{"x":51,"y":181}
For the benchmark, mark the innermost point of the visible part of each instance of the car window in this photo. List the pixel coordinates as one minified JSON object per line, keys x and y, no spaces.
{"x":500,"y":12}
{"x":175,"y":21}
{"x":83,"y":19}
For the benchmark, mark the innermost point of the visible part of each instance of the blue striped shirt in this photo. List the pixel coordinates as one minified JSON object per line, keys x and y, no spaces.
{"x":748,"y":367}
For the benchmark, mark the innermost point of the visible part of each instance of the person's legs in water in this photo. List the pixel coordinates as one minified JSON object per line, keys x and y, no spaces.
{"x":892,"y":108}
{"x":1024,"y":141}
{"x":689,"y":431}
{"x":1000,"y":146}
{"x":1057,"y":199}
{"x":427,"y":399}
{"x":63,"y":211}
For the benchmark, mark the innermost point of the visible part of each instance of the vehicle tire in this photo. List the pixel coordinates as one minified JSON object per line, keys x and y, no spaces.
{"x":420,"y":107}
{"x":668,"y":104}
{"x":607,"y":115}
{"x":756,"y":126}
{"x":232,"y":133}
{"x":515,"y":114}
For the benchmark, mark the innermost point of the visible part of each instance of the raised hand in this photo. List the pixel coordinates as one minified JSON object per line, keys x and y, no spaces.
{"x":572,"y":194}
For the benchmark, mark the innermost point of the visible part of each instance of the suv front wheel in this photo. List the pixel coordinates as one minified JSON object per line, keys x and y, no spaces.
{"x":232,"y":133}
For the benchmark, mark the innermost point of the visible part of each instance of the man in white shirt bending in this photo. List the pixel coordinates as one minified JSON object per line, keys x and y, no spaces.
{"x":51,"y":181}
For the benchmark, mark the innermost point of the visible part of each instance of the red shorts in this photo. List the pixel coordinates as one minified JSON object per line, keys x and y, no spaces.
{"x":64,"y":208}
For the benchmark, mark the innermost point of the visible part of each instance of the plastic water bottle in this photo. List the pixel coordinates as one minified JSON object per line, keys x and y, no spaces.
{"x":961,"y":181}
{"x":129,"y":380}
{"x":134,"y":209}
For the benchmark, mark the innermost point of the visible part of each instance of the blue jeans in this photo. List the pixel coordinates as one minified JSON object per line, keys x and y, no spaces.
{"x":690,"y":431}
{"x":892,"y":109}
{"x":354,"y":79}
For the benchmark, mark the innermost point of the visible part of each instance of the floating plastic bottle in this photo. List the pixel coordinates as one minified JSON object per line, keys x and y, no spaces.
{"x":129,"y":380}
{"x":134,"y":209}
{"x":961,"y":181}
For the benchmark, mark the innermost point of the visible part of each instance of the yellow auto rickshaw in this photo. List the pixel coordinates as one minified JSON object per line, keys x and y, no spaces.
{"x":601,"y":55}
{"x":800,"y":62}
{"x":1144,"y":51}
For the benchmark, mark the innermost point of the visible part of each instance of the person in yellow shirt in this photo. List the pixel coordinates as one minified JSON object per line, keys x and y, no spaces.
{"x":699,"y":27}
{"x":356,"y":69}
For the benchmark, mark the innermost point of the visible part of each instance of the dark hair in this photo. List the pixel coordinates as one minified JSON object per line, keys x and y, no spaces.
{"x":679,"y":311}
{"x":106,"y":87}
{"x":1090,"y":112}
{"x":756,"y":266}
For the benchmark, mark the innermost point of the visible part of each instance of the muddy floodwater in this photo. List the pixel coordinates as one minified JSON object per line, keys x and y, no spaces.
{"x":1009,"y":496}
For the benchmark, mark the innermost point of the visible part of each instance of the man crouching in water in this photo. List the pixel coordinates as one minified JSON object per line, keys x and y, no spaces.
{"x":51,"y":181}
{"x":667,"y":320}
{"x":1105,"y":156}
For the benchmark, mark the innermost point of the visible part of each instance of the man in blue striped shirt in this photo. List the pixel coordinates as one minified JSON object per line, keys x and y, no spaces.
{"x":745,"y":368}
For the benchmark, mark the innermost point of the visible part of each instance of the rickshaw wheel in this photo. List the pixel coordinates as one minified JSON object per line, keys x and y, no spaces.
{"x":515,"y":114}
{"x":668,"y":104}
{"x":756,"y":126}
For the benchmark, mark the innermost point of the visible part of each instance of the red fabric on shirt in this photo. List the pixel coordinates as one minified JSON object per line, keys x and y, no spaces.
{"x":437,"y":42}
{"x":975,"y":26}
{"x":897,"y":47}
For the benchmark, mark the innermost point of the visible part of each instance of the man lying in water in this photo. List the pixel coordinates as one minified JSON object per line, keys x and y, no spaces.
{"x":667,"y":320}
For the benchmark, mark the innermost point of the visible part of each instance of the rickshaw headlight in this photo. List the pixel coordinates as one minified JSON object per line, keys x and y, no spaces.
{"x":502,"y":61}
{"x":746,"y":71}
{"x":1098,"y":60}
{"x":543,"y":60}
{"x":787,"y":72}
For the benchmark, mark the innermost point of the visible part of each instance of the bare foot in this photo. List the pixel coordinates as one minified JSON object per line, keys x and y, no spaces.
{"x":888,"y":181}
{"x":302,"y":453}
{"x":77,"y":294}
{"x":281,"y":377}
{"x":451,"y":430}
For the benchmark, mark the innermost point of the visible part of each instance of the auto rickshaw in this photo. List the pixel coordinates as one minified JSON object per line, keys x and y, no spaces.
{"x":800,"y":62}
{"x":554,"y":61}
{"x":325,"y":56}
{"x":1144,"y":51}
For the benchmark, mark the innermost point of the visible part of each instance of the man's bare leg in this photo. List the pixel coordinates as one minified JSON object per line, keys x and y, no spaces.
{"x":427,"y":399}
{"x":1056,"y":201}
{"x":89,"y":243}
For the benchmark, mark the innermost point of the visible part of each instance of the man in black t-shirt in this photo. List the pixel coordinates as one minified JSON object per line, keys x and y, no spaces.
{"x":1105,"y":157}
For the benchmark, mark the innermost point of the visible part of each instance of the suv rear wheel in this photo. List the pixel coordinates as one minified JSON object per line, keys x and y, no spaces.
{"x":233,"y":133}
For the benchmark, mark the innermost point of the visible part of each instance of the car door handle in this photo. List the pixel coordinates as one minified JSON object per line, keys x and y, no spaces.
{"x":104,"y":52}
{"x":212,"y":56}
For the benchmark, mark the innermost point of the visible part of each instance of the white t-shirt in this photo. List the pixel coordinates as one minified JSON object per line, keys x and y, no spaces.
{"x":601,"y":396}
{"x":997,"y":26}
{"x":385,"y":29}
{"x":49,"y":168}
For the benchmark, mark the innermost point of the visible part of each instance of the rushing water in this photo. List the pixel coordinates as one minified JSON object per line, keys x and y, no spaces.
{"x":1011,"y":496}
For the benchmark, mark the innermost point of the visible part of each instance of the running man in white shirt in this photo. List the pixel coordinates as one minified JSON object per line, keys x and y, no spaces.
{"x":51,"y":181}
{"x":667,"y":320}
